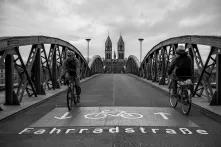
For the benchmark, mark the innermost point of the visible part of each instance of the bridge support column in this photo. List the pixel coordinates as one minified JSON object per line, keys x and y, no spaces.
{"x":191,"y":53}
{"x":217,"y":95}
{"x":163,"y":71}
{"x":55,"y":83}
{"x":37,"y":72}
{"x":150,"y":68}
{"x":155,"y":67}
{"x":10,"y":96}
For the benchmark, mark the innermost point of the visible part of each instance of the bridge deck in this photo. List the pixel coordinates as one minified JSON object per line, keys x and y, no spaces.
{"x":154,"y":123}
{"x":121,"y":90}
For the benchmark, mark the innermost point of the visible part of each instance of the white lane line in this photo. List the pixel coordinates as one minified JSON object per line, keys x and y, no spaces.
{"x":113,"y":95}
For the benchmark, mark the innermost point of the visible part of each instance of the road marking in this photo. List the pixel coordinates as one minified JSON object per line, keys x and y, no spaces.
{"x":163,"y":114}
{"x":105,"y":113}
{"x":148,"y":116}
{"x":113,"y":91}
{"x":64,"y":116}
{"x":115,"y":130}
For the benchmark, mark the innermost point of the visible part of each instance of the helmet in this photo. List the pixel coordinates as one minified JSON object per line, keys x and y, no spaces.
{"x":180,"y":50}
{"x":70,"y":53}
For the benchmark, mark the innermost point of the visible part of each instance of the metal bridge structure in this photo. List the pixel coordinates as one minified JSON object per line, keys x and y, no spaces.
{"x":155,"y":63}
{"x":41,"y":71}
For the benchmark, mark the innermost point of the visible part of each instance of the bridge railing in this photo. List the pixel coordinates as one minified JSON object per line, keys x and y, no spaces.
{"x":96,"y":65}
{"x":41,"y":71}
{"x":207,"y":80}
{"x":132,"y":65}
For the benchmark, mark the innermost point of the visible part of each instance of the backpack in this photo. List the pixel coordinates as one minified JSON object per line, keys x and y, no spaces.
{"x":71,"y":65}
{"x":183,"y":67}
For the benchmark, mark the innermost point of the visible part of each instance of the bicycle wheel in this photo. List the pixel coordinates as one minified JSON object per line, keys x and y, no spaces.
{"x":173,"y":100}
{"x":186,"y":101}
{"x":69,"y":99}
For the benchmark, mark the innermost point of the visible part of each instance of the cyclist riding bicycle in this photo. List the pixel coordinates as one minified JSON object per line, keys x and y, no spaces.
{"x":180,"y":68}
{"x":71,"y":72}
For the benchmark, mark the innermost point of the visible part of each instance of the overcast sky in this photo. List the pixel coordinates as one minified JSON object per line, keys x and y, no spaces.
{"x":75,"y":20}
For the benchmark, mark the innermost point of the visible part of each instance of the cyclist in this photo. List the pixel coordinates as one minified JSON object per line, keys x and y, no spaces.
{"x":180,"y":68}
{"x":71,"y":72}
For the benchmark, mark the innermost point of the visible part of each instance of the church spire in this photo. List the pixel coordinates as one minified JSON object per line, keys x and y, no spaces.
{"x":120,"y":41}
{"x":120,"y":47}
{"x":108,"y":43}
{"x":108,"y":48}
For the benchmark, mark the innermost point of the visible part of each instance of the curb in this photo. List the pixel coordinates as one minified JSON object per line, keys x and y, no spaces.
{"x":201,"y":109}
{"x":43,"y":100}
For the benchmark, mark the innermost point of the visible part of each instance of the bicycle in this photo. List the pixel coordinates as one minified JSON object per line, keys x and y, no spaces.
{"x":183,"y":95}
{"x":105,"y":113}
{"x":71,"y":95}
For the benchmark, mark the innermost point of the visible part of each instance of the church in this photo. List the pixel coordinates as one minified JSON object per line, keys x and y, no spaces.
{"x":115,"y":64}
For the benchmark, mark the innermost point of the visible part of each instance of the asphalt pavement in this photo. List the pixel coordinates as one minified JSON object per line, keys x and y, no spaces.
{"x":116,"y":110}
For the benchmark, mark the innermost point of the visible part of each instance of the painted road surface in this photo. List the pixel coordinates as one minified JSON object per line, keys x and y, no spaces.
{"x":115,"y":111}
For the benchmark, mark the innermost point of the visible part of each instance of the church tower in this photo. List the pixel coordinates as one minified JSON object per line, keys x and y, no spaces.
{"x":120,"y":48}
{"x":108,"y":48}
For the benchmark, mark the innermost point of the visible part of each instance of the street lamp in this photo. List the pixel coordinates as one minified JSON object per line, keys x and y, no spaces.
{"x":140,"y":39}
{"x":88,"y":40}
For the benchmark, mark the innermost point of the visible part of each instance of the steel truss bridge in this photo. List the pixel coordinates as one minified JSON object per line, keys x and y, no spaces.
{"x":42,"y":69}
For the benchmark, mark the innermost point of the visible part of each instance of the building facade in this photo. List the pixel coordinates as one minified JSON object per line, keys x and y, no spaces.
{"x":115,"y":64}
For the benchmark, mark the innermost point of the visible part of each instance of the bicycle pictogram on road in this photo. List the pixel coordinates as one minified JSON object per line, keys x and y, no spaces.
{"x":105,"y":113}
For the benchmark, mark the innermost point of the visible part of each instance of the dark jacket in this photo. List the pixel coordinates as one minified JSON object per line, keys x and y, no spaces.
{"x":181,"y":66}
{"x":72,"y":65}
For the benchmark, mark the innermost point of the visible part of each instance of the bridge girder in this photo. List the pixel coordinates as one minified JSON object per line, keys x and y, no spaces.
{"x":41,"y":71}
{"x":132,"y":65}
{"x":96,"y":65}
{"x":157,"y":60}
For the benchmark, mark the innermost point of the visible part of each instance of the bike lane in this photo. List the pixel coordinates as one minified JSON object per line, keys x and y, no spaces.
{"x":122,"y":126}
{"x":96,"y":120}
{"x":149,"y":126}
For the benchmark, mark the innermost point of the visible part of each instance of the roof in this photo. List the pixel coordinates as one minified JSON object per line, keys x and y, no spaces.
{"x":108,"y":41}
{"x":120,"y":41}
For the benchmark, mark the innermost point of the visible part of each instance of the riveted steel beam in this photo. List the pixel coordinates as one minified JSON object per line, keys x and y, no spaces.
{"x":206,"y":73}
{"x":10,"y":97}
{"x":150,"y":68}
{"x":47,"y":73}
{"x":217,"y":95}
{"x":25,"y":79}
{"x":155,"y":66}
{"x":37,"y":66}
{"x":36,"y":71}
{"x":163,"y":67}
{"x":193,"y":55}
{"x":53,"y":64}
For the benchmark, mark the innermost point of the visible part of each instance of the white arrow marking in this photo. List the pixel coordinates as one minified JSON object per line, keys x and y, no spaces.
{"x":65,"y":116}
{"x":163,"y":114}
